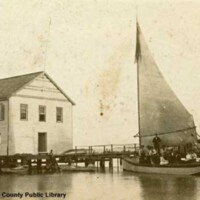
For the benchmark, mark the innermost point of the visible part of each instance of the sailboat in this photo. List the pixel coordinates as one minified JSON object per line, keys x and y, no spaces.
{"x":160,"y":112}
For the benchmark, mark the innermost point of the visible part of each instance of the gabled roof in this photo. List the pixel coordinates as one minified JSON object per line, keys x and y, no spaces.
{"x":12,"y":84}
{"x":9,"y":86}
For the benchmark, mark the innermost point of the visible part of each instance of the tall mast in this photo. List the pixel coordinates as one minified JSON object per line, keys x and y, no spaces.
{"x":159,"y":109}
{"x":138,"y":97}
{"x":137,"y":57}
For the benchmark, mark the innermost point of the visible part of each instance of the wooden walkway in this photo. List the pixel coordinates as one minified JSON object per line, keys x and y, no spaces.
{"x":93,"y":154}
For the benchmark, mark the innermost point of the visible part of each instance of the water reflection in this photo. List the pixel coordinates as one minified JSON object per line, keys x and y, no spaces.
{"x":170,"y":187}
{"x":7,"y":185}
{"x":58,"y":183}
{"x":100,"y":186}
{"x":54,"y":182}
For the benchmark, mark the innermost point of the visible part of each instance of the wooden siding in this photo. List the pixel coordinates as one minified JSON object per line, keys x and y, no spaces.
{"x":41,"y":87}
{"x":25,"y":133}
{"x":4,"y":130}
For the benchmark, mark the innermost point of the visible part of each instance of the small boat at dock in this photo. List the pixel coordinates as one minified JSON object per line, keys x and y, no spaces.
{"x":15,"y":170}
{"x":73,"y":168}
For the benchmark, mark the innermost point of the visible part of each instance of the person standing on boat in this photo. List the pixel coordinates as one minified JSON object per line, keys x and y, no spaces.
{"x":156,"y":143}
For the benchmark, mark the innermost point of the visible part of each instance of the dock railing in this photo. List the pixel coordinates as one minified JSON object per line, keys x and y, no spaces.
{"x":107,"y":149}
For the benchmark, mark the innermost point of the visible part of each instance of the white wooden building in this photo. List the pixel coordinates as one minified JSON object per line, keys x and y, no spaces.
{"x":35,"y":115}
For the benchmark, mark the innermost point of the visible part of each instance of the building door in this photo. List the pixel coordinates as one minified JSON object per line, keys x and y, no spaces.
{"x":42,"y":142}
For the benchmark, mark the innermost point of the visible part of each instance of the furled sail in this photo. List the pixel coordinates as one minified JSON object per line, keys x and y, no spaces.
{"x":160,"y":111}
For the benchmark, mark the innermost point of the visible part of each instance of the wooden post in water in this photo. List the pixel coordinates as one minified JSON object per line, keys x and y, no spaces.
{"x":97,"y":165}
{"x":76,"y":155}
{"x":120,"y":161}
{"x":102,"y":164}
{"x":86,"y":162}
{"x":30,"y":166}
{"x":117,"y":164}
{"x":39,"y":165}
{"x":47,"y":165}
{"x":111,"y":164}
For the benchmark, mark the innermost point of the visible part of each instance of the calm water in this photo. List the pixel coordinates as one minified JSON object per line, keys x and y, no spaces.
{"x":109,"y":186}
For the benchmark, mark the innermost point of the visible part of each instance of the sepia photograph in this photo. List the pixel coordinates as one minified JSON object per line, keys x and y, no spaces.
{"x":99,"y":99}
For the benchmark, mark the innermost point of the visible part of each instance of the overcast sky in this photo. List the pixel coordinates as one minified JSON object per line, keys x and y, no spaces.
{"x":89,"y":51}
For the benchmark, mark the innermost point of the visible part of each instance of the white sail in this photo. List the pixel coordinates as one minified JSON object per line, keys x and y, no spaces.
{"x":160,"y":111}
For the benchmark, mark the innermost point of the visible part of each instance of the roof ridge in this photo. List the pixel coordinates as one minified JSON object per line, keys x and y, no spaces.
{"x":11,"y":85}
{"x":11,"y":77}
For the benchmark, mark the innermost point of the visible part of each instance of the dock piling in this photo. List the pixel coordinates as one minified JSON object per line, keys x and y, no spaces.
{"x":102,"y":164}
{"x":111,"y":164}
{"x":29,"y":166}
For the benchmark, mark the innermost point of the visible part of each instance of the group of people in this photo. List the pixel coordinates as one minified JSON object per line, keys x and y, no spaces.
{"x":157,"y":155}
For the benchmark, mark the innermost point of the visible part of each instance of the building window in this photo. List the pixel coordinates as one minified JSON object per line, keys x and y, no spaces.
{"x":23,"y":111}
{"x":59,"y":114}
{"x":2,"y":112}
{"x":42,"y":113}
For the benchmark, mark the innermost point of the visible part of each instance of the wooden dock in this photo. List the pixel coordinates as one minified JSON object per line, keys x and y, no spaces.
{"x":97,"y":155}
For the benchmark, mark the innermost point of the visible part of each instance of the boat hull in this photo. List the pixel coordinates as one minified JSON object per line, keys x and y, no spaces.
{"x":16,"y":170}
{"x":77,"y":169}
{"x":181,"y":169}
